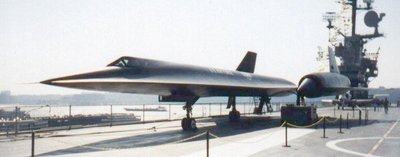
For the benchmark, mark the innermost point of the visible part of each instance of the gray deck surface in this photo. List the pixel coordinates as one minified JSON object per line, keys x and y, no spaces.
{"x":253,"y":136}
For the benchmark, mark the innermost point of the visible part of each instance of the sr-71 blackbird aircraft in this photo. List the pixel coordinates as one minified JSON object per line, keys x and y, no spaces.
{"x":316,"y":85}
{"x":185,"y":83}
{"x":320,"y":84}
{"x":181,"y":83}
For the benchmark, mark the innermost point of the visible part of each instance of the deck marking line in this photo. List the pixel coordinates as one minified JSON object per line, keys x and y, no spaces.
{"x":376,"y":146}
{"x":332,"y":145}
{"x":253,"y":145}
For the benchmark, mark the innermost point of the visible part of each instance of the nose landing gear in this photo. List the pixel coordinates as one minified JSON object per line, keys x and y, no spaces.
{"x":188,"y":123}
{"x":234,"y":115}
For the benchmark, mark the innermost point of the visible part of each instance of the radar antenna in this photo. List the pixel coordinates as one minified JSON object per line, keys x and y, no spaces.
{"x":356,"y":63}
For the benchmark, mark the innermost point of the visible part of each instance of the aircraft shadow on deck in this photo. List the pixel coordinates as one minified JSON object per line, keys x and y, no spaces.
{"x":223,"y":128}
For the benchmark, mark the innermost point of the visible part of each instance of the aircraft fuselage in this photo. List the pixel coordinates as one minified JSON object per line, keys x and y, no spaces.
{"x":146,"y":76}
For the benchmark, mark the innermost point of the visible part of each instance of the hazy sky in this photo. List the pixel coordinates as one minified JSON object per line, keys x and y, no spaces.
{"x":51,"y":38}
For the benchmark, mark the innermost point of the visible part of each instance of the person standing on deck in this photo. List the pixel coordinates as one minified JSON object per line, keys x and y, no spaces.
{"x":386,"y":105}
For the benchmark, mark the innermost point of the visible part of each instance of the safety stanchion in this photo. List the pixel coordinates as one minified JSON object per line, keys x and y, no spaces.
{"x":33,"y":145}
{"x":324,"y":127}
{"x":347,"y":121}
{"x":286,"y":124}
{"x":286,"y":144}
{"x":69,"y":118}
{"x":208,"y":143}
{"x":16,"y":121}
{"x":359,"y":117}
{"x":334,"y":111}
{"x":340,"y":124}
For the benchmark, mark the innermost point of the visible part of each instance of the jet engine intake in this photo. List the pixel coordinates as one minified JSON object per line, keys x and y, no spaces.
{"x":323,"y":84}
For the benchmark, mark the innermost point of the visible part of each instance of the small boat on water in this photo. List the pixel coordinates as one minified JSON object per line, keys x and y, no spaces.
{"x":156,"y":109}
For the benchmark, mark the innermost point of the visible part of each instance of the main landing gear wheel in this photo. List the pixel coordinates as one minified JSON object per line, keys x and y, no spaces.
{"x":188,"y":124}
{"x":234,"y":116}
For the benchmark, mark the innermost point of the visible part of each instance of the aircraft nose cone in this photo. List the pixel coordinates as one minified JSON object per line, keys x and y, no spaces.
{"x":308,"y":88}
{"x":53,"y":81}
{"x":77,"y":79}
{"x":48,"y":82}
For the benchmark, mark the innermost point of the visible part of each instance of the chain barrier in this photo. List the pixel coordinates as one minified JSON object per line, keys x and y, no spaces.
{"x":283,"y":124}
{"x":331,"y":121}
{"x":192,"y":137}
{"x":311,"y":125}
{"x":213,"y":135}
{"x":189,"y":138}
{"x":306,"y":126}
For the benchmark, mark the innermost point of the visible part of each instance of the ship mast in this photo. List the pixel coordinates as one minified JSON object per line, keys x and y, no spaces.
{"x":356,"y":63}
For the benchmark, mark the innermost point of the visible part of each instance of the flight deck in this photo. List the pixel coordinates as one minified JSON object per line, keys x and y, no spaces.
{"x":98,"y":128}
{"x":377,"y":134}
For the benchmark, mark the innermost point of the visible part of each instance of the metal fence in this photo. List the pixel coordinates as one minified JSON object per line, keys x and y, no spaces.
{"x":24,"y":118}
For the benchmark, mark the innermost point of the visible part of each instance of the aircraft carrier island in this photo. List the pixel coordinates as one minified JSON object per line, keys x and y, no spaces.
{"x":330,"y":112}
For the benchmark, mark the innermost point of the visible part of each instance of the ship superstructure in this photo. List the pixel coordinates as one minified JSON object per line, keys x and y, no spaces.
{"x":357,"y":63}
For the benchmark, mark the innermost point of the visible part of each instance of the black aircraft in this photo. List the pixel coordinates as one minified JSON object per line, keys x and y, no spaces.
{"x":181,"y":83}
{"x":320,"y":84}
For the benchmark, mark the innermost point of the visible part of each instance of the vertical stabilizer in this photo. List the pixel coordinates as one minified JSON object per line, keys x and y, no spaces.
{"x":248,"y":63}
{"x":333,"y":67}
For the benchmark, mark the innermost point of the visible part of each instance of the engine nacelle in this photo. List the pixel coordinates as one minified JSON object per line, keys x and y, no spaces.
{"x":323,"y":84}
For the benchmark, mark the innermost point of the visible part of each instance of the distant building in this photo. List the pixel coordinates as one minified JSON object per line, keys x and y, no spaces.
{"x":5,"y":97}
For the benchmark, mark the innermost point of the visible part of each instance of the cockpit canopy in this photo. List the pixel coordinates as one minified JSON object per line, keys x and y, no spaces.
{"x":130,"y":62}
